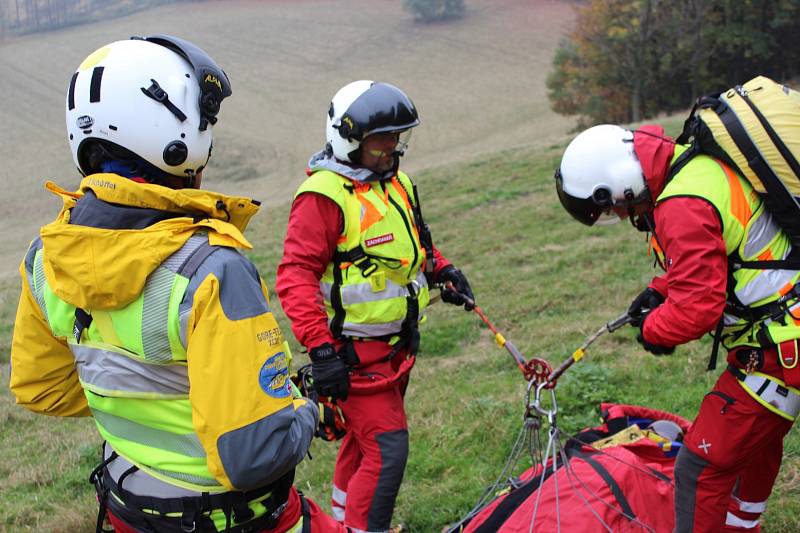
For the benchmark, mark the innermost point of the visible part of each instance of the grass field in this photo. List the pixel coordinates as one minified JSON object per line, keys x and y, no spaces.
{"x":478,"y":83}
{"x":545,"y":280}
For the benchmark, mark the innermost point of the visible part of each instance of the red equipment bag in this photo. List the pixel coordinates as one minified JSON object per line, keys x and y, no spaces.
{"x":622,"y":483}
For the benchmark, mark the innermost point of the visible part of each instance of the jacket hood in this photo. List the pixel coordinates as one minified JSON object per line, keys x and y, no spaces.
{"x":99,"y":252}
{"x":323,"y":161}
{"x":654,"y":150}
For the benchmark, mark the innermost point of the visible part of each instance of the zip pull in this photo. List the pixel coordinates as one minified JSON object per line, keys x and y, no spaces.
{"x":82,"y":321}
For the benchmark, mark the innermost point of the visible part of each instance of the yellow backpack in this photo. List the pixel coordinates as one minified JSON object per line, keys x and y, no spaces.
{"x":754,"y":128}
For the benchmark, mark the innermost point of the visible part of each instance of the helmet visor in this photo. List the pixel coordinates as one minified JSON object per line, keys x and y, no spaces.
{"x":584,"y":210}
{"x":382,"y":108}
{"x":399,"y":149}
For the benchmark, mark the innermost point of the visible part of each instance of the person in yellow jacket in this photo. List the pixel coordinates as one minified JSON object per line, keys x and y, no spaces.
{"x":354,"y":280}
{"x":139,"y":310}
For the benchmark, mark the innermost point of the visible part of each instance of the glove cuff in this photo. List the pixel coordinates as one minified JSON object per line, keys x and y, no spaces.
{"x":440,"y":277}
{"x":323,"y":352}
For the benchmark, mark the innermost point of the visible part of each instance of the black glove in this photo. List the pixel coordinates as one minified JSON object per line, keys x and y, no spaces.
{"x":655,"y":349}
{"x":329,"y":371}
{"x":461,"y":286}
{"x":331,"y":424}
{"x":647,"y":300}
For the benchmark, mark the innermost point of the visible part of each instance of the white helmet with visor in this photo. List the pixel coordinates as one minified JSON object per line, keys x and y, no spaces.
{"x":599,"y":173}
{"x":362,"y":108}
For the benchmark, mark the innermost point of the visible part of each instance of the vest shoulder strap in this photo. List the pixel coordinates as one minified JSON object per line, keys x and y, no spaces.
{"x":681,"y":162}
{"x":326,"y":183}
{"x":340,"y":190}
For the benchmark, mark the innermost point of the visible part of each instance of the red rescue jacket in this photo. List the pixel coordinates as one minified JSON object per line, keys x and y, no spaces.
{"x":690,"y":234}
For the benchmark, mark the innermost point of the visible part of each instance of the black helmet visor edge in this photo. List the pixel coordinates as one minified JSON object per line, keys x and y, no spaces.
{"x":584,"y":210}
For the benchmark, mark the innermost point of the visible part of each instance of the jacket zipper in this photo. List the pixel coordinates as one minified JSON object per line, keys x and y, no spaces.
{"x":408,"y":229}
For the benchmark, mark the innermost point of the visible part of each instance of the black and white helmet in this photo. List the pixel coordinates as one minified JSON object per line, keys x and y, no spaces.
{"x":362,"y":108}
{"x":153,"y":97}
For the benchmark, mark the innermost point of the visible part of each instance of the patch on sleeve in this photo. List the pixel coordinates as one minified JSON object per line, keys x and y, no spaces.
{"x":274,"y":377}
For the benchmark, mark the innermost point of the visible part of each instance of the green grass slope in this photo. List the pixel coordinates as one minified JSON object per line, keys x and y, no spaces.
{"x":546,"y":281}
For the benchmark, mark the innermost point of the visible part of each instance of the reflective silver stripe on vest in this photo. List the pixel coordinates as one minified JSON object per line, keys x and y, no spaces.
{"x":143,"y":484}
{"x":730,"y":320}
{"x":184,"y":444}
{"x":765,"y":284}
{"x":155,"y":316}
{"x":188,"y":478}
{"x":774,"y":394}
{"x":352,"y":329}
{"x":176,"y":260}
{"x":760,"y":234}
{"x":39,"y":283}
{"x":105,"y":371}
{"x":156,"y":299}
{"x":362,"y":292}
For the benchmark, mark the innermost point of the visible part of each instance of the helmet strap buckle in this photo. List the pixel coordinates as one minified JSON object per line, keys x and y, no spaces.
{"x":160,"y":95}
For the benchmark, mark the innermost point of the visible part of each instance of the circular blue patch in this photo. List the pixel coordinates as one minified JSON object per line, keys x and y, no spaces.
{"x":274,"y":377}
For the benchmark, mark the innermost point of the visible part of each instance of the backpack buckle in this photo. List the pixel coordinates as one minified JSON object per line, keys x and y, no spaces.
{"x":366,"y":266}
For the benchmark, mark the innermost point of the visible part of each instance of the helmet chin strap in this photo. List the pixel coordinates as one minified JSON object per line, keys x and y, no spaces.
{"x":642,"y":222}
{"x":396,"y":155}
{"x":392,"y":172}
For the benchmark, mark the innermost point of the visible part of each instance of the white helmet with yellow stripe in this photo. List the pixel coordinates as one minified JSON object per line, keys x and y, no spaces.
{"x":148,"y":98}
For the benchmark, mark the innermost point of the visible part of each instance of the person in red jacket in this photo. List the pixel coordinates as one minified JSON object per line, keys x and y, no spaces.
{"x":354,"y":279}
{"x":705,"y":221}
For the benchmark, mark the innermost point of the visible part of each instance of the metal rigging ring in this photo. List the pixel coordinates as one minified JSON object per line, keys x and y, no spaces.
{"x":538,"y":370}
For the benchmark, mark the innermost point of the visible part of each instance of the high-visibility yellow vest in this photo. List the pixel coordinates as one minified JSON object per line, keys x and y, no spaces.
{"x":376,"y":273}
{"x":750,"y":234}
{"x":131,"y":363}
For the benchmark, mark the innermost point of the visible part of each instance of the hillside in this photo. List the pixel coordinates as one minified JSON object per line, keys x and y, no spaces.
{"x":478,"y":82}
{"x":546,"y":281}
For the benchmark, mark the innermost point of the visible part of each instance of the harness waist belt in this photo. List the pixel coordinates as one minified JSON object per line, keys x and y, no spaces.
{"x":770,"y":392}
{"x":190,"y":511}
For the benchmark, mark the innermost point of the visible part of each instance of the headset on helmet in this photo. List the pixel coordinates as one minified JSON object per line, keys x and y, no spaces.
{"x":147,"y":98}
{"x":600,"y":171}
{"x":362,"y":108}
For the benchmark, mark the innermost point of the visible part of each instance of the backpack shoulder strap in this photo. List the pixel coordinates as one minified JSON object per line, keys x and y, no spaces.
{"x":682,"y":160}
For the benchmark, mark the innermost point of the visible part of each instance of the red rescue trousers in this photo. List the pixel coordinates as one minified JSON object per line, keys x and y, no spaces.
{"x":731,"y":456}
{"x":372,"y":457}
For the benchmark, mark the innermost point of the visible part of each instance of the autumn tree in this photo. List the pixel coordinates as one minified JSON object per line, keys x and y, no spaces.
{"x":627,"y":60}
{"x":432,"y":10}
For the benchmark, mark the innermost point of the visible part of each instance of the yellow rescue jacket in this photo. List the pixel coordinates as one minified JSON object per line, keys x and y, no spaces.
{"x":181,"y":362}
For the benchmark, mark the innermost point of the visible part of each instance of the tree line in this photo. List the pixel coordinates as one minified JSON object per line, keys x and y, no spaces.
{"x":627,"y":60}
{"x":28,"y":16}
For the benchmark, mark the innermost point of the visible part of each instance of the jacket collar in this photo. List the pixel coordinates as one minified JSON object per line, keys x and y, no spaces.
{"x":98,"y":261}
{"x":322,"y":161}
{"x":654,"y":150}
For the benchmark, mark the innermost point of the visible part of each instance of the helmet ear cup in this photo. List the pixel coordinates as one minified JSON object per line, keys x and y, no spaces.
{"x":210,"y":104}
{"x":345,"y":128}
{"x":175,"y":153}
{"x":602,"y":197}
